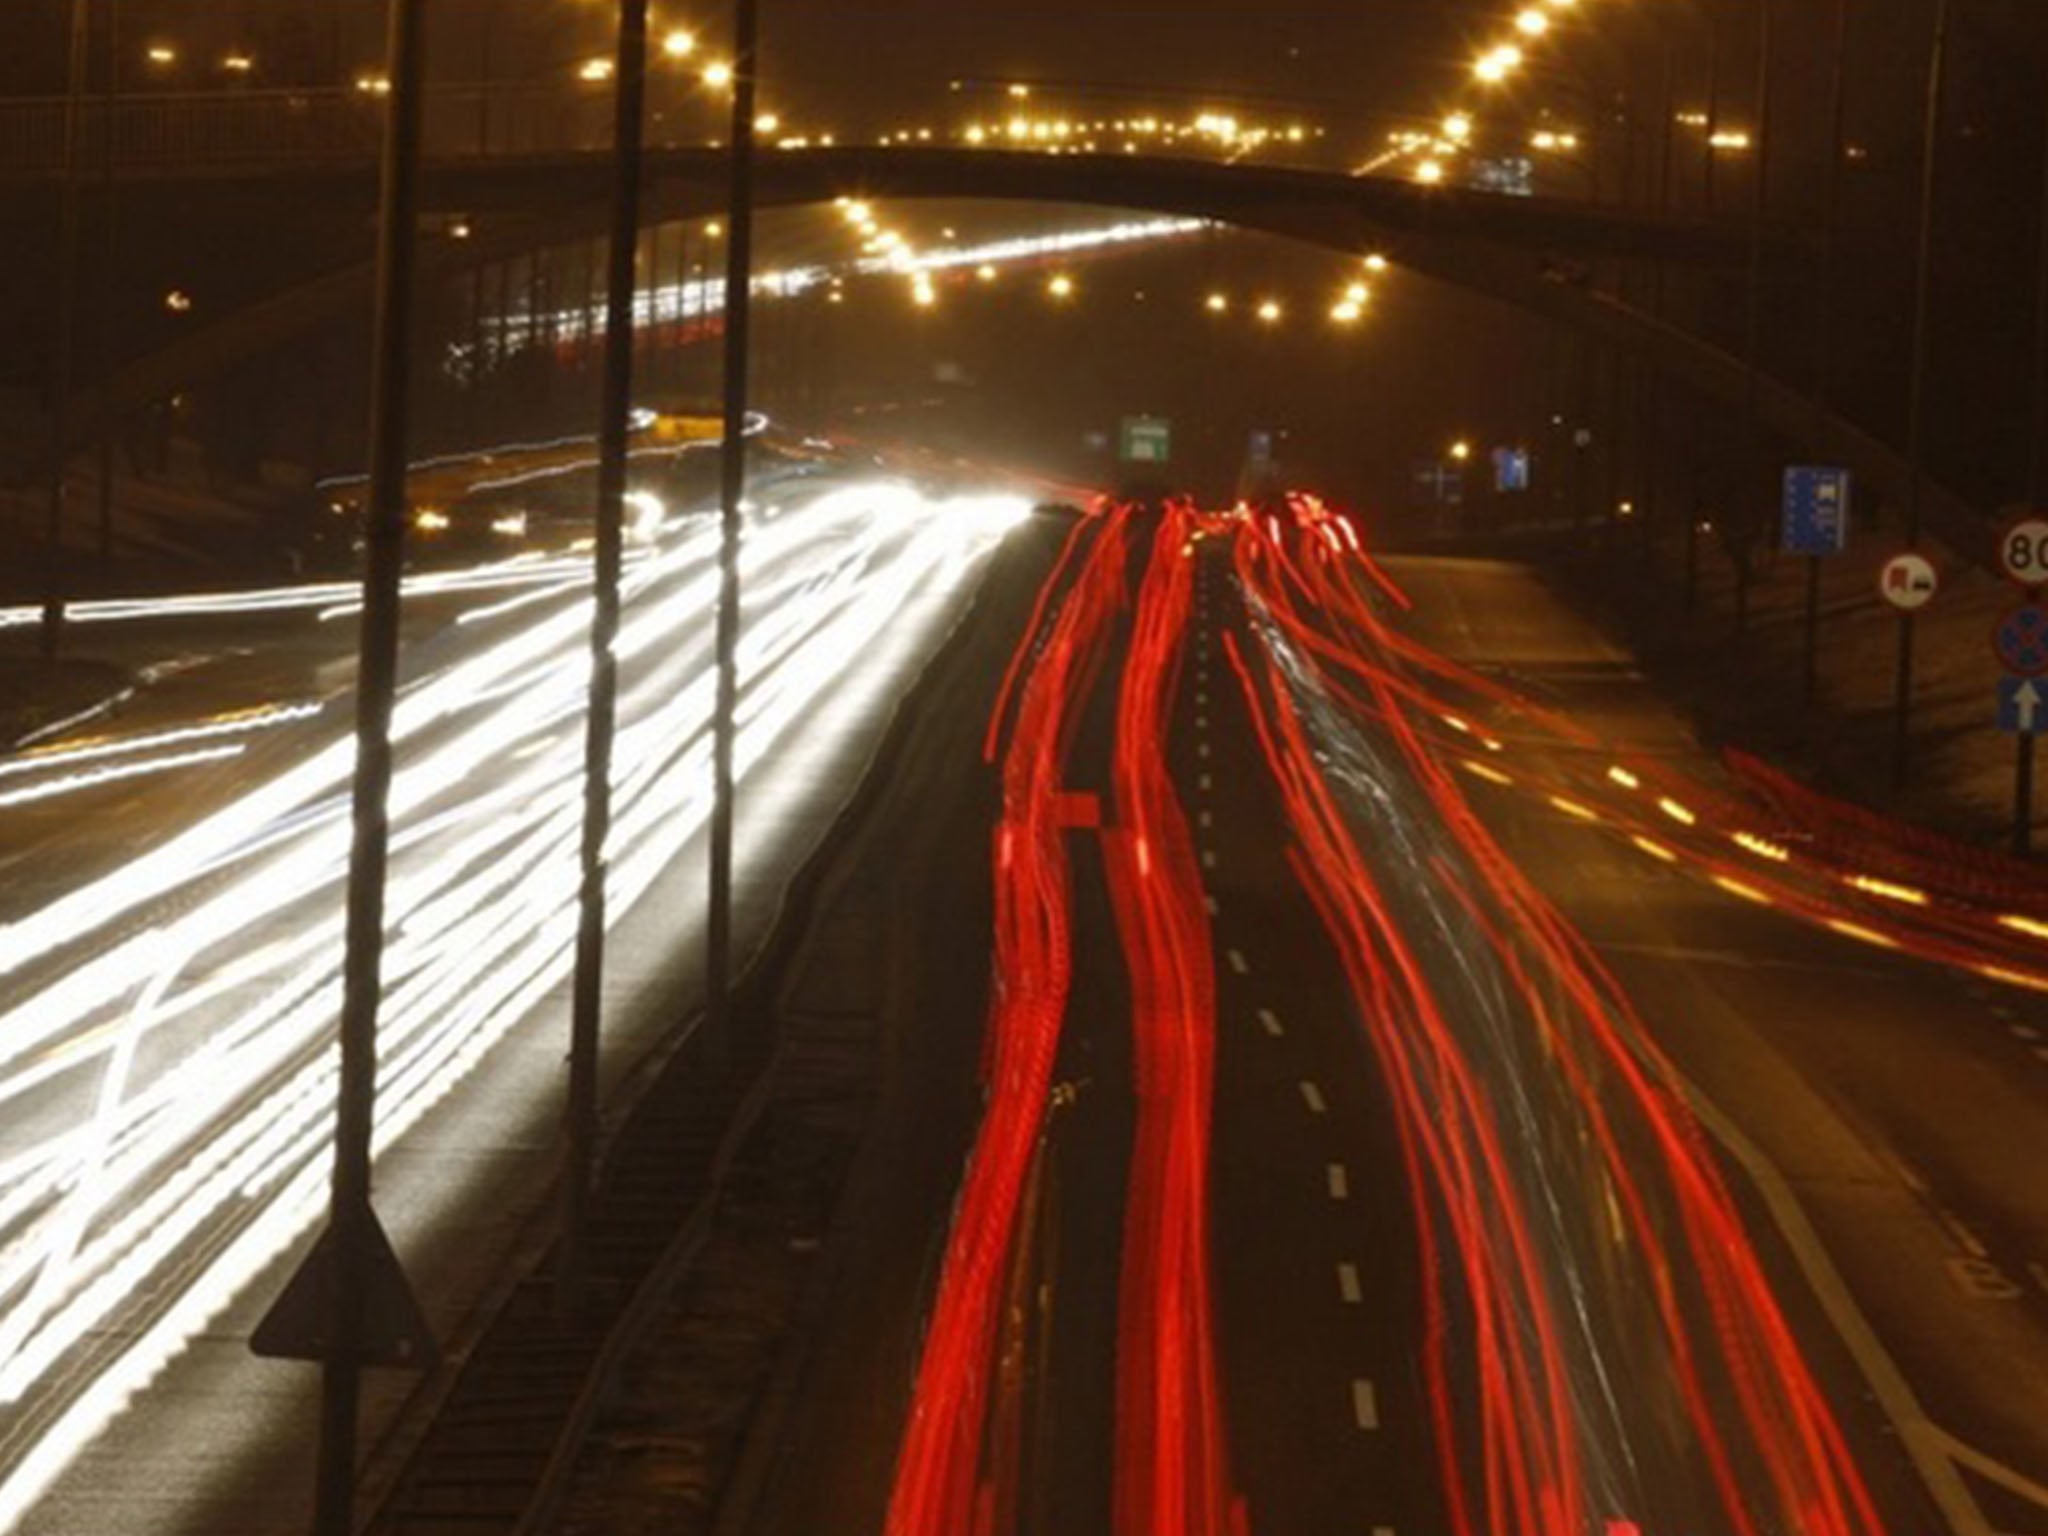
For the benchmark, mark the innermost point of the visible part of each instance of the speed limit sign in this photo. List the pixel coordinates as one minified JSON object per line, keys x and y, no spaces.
{"x":2023,"y":551}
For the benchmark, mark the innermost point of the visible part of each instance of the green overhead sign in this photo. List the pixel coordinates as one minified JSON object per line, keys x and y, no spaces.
{"x":1145,"y":440}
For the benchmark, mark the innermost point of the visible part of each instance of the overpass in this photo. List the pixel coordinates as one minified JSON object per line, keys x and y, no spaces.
{"x":533,"y":175}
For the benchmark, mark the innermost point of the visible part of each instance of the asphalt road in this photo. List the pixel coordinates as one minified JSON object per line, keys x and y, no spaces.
{"x":162,"y":1158}
{"x":1877,"y":1120}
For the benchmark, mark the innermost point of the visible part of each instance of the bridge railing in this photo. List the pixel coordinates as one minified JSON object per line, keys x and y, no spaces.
{"x":246,"y":129}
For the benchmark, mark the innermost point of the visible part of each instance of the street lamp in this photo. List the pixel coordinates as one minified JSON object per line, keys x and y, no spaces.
{"x":1461,"y":451}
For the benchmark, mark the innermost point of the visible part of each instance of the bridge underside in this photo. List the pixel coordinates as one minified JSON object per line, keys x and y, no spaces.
{"x":1534,"y":254}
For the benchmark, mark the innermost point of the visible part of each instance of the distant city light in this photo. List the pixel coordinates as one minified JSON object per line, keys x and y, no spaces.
{"x":162,"y":55}
{"x":238,"y":63}
{"x":595,"y":70}
{"x":1430,"y":172}
{"x":1270,"y":312}
{"x":718,"y":76}
{"x":1217,"y":303}
{"x":679,"y":44}
{"x":1061,"y":286}
{"x":178,"y":301}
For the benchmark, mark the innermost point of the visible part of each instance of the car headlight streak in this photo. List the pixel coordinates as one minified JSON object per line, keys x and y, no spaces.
{"x":195,"y":1110}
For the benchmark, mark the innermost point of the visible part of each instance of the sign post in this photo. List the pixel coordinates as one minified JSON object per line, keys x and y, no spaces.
{"x":2023,"y":557}
{"x":350,"y":1299}
{"x":1815,"y":524}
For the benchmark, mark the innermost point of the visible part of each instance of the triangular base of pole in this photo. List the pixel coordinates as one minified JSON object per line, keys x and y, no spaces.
{"x":300,"y":1323}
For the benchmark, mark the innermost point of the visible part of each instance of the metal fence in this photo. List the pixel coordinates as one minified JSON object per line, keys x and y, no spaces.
{"x":246,"y":130}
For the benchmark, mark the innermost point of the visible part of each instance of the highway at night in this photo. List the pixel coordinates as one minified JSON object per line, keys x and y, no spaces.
{"x":1411,"y":1052}
{"x":139,"y":1209}
{"x":1008,"y":770}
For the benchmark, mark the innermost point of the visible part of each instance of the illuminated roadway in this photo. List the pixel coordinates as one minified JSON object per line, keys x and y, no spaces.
{"x":1419,"y":1093}
{"x":1421,"y":1098}
{"x":171,"y":952}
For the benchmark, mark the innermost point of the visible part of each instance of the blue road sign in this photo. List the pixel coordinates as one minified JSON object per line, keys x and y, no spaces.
{"x":1510,"y":469}
{"x":2021,"y":702}
{"x":2020,"y":641}
{"x":1816,"y":510}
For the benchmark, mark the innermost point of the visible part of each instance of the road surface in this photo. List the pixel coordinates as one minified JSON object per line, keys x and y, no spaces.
{"x":171,"y":953}
{"x":1419,"y":1091}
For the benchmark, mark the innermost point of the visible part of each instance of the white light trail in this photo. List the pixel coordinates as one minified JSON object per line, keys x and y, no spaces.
{"x":174,"y":1021}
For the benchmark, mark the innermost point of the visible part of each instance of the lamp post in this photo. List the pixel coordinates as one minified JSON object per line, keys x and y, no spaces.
{"x":587,"y":994}
{"x":1916,"y":409}
{"x":1753,"y":328}
{"x":67,"y":326}
{"x":739,"y":251}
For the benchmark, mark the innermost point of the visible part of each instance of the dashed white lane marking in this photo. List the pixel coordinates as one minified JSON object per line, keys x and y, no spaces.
{"x":1348,"y":1285}
{"x":1270,"y":1022}
{"x":1207,"y":819}
{"x":1312,"y":1096}
{"x":2041,"y":1053}
{"x":1340,"y":1182}
{"x":1201,"y":722}
{"x":1365,"y":1404}
{"x":1238,"y":963}
{"x":1206,"y":783}
{"x":1383,"y":1530}
{"x":1208,"y":858}
{"x":1202,"y":697}
{"x":1201,"y":749}
{"x":2026,"y":1032}
{"x":1210,"y":902}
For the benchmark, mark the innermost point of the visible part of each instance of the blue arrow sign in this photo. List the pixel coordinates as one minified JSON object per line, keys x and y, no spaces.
{"x":1816,"y":509}
{"x":2022,"y":705}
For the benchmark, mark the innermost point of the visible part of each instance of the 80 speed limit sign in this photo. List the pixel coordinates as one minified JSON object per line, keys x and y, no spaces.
{"x":2023,"y":551}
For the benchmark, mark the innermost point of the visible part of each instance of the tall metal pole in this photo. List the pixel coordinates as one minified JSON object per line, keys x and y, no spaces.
{"x":352,"y":1224}
{"x":2037,"y":492}
{"x":1759,"y":211}
{"x":110,"y":260}
{"x":739,"y":254}
{"x":586,"y":1008}
{"x":1916,"y":410}
{"x":67,"y":328}
{"x":1830,"y":257}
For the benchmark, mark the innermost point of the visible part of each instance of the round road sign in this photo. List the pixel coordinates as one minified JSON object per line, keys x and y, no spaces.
{"x":2020,"y":641}
{"x":1908,"y":582}
{"x":2023,"y":551}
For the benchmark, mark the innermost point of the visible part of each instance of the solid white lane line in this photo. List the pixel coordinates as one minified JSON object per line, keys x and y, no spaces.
{"x":1340,"y":1182}
{"x":1270,"y":1022}
{"x":1238,"y":963}
{"x":1312,"y":1096}
{"x":1348,"y":1285}
{"x":1365,"y":1404}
